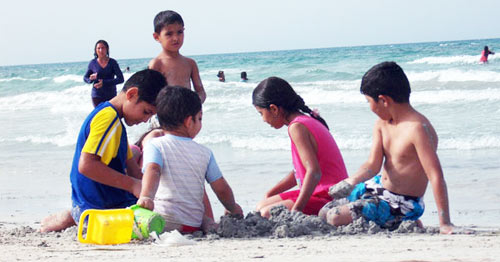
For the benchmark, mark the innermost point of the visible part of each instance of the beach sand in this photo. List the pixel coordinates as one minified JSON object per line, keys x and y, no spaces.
{"x":286,"y":236}
{"x":25,"y":244}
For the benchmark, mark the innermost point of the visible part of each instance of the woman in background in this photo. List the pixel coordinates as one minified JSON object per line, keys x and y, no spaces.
{"x":103,"y":73}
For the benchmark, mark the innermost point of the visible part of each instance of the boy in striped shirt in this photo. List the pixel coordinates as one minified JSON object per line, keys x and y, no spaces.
{"x":176,"y":168}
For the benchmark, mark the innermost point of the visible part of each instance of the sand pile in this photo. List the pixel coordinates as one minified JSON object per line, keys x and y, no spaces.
{"x":284,"y":223}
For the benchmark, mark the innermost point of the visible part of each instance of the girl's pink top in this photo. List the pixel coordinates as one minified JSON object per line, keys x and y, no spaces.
{"x":330,"y":160}
{"x":484,"y":56}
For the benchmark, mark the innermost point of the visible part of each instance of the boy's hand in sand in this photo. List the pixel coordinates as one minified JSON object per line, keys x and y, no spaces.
{"x":146,"y":202}
{"x":208,"y":224}
{"x":340,"y":190}
{"x":237,"y":211}
{"x":98,"y":84}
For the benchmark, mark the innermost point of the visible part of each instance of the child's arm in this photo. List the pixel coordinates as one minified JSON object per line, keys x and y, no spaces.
{"x":373,"y":165}
{"x":282,"y":186}
{"x":91,"y":166}
{"x":367,"y":170}
{"x":197,"y":85}
{"x":150,"y":183}
{"x":307,"y":149}
{"x":133,"y":168}
{"x":153,"y":163}
{"x":425,"y":145}
{"x":225,"y":195}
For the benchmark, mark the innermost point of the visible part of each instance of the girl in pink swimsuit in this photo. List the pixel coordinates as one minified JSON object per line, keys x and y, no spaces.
{"x":317,"y":160}
{"x":484,"y":55}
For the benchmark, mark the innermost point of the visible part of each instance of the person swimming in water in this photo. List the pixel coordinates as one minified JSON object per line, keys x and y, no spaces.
{"x":484,"y":55}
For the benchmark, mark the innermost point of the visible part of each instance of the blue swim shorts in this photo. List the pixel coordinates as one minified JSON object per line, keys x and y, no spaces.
{"x":76,"y":212}
{"x":387,"y":209}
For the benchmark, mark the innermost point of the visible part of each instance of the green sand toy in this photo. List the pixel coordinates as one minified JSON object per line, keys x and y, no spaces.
{"x":145,"y":222}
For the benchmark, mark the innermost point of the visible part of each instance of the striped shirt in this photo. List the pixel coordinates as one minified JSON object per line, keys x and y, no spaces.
{"x":185,"y":165}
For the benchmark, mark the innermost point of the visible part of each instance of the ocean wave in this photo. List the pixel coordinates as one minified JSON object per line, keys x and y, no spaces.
{"x":461,"y":59}
{"x":453,"y":96}
{"x":23,"y":79}
{"x":64,"y":138}
{"x":454,"y":75}
{"x":344,"y":142}
{"x":470,"y":142}
{"x":75,"y":99}
{"x":255,"y":143}
{"x":64,"y":78}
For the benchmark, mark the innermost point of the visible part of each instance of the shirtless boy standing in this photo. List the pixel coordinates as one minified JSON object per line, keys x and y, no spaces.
{"x":177,"y":69}
{"x":405,"y":143}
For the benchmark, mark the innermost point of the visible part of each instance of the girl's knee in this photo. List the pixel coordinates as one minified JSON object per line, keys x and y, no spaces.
{"x":265,"y":211}
{"x":338,"y":216}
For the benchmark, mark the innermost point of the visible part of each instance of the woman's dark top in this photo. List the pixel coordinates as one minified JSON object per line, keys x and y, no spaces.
{"x":111,"y":76}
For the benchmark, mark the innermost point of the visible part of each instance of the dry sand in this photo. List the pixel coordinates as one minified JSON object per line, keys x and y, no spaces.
{"x":286,"y":237}
{"x":23,"y":244}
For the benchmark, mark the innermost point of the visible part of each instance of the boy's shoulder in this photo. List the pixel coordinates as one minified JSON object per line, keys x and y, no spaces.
{"x":161,"y":62}
{"x":415,"y":126}
{"x":103,"y":111}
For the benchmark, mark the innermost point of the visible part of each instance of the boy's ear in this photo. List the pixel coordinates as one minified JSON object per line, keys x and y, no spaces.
{"x":386,"y":100}
{"x":156,"y":36}
{"x":131,"y":93}
{"x":188,"y":121}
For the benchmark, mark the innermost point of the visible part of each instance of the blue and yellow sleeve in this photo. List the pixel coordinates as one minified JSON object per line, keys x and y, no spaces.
{"x":105,"y":135}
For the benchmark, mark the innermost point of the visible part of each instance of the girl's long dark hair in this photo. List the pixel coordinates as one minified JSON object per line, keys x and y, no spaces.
{"x":276,"y":91}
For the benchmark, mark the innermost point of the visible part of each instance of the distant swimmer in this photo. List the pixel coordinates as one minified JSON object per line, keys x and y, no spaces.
{"x":484,"y":55}
{"x":221,"y":76}
{"x":244,"y":76}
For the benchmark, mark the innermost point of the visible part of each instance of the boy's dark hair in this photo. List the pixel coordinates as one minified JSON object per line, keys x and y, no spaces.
{"x":165,"y":18}
{"x":101,"y":42}
{"x":386,"y":78}
{"x":278,"y":92}
{"x":174,"y":104}
{"x":148,"y":82}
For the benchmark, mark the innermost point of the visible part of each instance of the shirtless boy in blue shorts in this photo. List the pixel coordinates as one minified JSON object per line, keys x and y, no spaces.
{"x":405,"y":143}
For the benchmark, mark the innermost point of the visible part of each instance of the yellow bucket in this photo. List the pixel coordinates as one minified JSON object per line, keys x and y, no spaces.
{"x":107,"y":227}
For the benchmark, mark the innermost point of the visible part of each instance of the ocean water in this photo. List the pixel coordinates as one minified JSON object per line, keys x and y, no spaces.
{"x":42,"y":108}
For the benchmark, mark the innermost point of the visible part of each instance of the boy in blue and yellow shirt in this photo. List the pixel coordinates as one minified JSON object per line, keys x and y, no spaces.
{"x":103,"y":174}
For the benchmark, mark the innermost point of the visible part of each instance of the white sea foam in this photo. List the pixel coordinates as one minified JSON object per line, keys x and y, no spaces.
{"x":253,"y":143}
{"x":454,"y":75}
{"x":65,"y":138}
{"x":64,"y":78}
{"x":344,"y":142}
{"x":470,"y":142}
{"x":461,"y":59}
{"x":455,"y":96}
{"x":75,"y":99}
{"x":23,"y":79}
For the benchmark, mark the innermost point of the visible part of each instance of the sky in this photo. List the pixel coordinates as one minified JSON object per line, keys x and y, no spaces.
{"x":52,"y":31}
